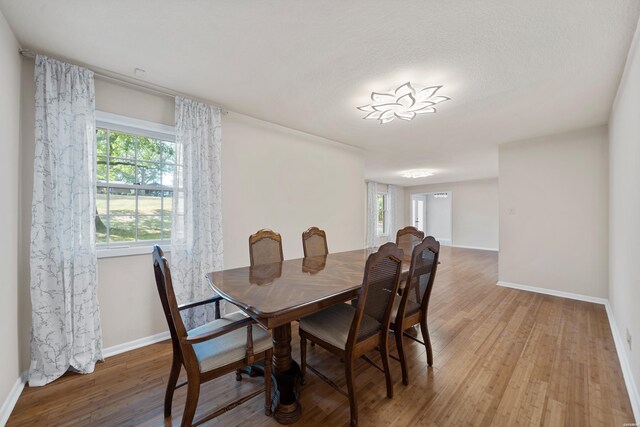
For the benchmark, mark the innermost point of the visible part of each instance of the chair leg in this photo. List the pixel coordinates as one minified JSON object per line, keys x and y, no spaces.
{"x":238,"y":374}
{"x":353,"y":406}
{"x":384,"y":353}
{"x":403,"y":361}
{"x":303,"y":358}
{"x":171,"y":385}
{"x":267,"y":382}
{"x":193,"y":394}
{"x":426,"y":339}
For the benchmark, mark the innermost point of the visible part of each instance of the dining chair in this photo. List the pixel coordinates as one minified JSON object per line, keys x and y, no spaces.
{"x":408,"y":237}
{"x":350,"y":332}
{"x":314,"y":242}
{"x":412,"y":308}
{"x":265,"y":247}
{"x":208,"y":351}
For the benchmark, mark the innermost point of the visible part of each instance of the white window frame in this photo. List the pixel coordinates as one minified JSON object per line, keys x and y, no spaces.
{"x":139,"y":127}
{"x":385,"y":212}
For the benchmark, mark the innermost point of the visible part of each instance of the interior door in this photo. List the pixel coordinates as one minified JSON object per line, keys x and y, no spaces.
{"x":418,"y":211}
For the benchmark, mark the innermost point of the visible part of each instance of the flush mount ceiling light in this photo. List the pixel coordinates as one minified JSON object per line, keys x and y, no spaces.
{"x":440,"y":195}
{"x":416,"y":173}
{"x":403,"y":103}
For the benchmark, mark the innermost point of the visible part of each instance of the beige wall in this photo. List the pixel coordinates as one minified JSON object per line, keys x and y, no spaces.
{"x":624,"y":220}
{"x":474,"y":206}
{"x":554,"y":212}
{"x":272,"y":177}
{"x":9,"y":176}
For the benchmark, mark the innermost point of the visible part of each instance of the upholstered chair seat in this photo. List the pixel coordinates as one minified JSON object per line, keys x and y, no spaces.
{"x":332,"y":325}
{"x":412,"y":308}
{"x":227,"y":348}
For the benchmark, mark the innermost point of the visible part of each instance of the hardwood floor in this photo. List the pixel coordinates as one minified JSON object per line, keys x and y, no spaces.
{"x":501,"y":357}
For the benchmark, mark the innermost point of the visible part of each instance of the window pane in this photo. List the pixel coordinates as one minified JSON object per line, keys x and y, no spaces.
{"x":122,"y":171}
{"x":149,"y":173}
{"x":380,"y":200}
{"x":166,"y":227}
{"x":101,"y":142}
{"x":149,"y":202}
{"x":122,"y":228}
{"x":167,"y":202}
{"x":122,"y":201}
{"x":122,"y":145}
{"x":149,"y":228}
{"x":101,"y":168}
{"x":167,"y":174}
{"x":101,"y":229}
{"x":148,"y":149}
{"x":101,"y":200}
{"x":168,"y":151}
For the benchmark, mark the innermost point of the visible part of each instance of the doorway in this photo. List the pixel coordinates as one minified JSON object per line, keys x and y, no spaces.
{"x":432,"y":214}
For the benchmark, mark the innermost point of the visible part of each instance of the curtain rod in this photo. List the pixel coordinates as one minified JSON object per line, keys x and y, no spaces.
{"x":123,"y":80}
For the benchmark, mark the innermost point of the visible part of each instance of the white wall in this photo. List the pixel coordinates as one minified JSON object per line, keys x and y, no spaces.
{"x":273,"y":177}
{"x":9,"y":176}
{"x":554,"y":212}
{"x":475,"y":211}
{"x":624,"y":213}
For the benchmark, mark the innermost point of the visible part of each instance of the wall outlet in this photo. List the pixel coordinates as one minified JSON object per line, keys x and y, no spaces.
{"x":511,"y":211}
{"x":629,"y":339}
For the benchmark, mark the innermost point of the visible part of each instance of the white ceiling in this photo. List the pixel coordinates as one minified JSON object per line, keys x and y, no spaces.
{"x":514,"y":69}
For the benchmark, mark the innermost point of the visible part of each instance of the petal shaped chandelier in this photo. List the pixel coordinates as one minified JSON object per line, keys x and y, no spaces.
{"x":404,"y":103}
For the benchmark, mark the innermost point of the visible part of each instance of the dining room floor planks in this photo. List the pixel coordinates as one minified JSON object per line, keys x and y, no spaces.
{"x":501,"y":357}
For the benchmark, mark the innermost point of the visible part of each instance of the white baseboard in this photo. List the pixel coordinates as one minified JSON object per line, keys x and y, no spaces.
{"x":627,"y":374}
{"x":480,"y":248}
{"x":553,"y":292}
{"x":132,"y":345}
{"x":12,"y":398}
{"x":629,"y":381}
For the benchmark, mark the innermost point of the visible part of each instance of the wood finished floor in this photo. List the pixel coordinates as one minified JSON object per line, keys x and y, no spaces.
{"x":501,"y":357}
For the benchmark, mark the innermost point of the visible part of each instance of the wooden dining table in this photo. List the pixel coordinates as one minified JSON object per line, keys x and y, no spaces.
{"x":277,"y":294}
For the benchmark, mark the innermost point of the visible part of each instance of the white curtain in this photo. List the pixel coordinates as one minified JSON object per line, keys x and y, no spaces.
{"x":392,"y":199}
{"x":64,"y":281}
{"x":196,"y":240}
{"x":372,"y":214}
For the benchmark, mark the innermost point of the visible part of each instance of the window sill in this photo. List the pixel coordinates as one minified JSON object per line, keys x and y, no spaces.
{"x":124,"y":251}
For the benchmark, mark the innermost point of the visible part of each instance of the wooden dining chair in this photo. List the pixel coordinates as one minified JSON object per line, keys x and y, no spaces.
{"x":350,"y":332}
{"x":208,"y":351}
{"x":408,"y":237}
{"x":412,"y":308}
{"x":314,"y":242}
{"x":265,"y":247}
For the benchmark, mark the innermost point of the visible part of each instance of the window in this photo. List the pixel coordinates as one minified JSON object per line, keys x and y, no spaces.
{"x":135,"y":164}
{"x":382,"y":214}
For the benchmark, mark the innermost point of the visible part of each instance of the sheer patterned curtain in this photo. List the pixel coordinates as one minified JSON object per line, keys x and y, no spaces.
{"x":372,"y":214}
{"x":392,"y":198}
{"x":196,"y":238}
{"x":64,"y":281}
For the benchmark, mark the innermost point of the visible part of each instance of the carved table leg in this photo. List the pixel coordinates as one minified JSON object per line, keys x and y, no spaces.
{"x":287,"y":375}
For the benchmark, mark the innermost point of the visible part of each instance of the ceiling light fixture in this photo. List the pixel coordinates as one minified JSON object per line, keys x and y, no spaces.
{"x":403,"y":103}
{"x":440,"y":195}
{"x":416,"y":173}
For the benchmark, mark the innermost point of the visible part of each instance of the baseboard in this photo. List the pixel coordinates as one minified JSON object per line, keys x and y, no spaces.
{"x":627,"y":374}
{"x":552,"y":292}
{"x":12,"y":398}
{"x":480,"y":248}
{"x":632,"y":388}
{"x":132,"y":345}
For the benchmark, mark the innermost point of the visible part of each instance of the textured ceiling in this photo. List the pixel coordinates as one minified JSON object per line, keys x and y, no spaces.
{"x":514,"y":69}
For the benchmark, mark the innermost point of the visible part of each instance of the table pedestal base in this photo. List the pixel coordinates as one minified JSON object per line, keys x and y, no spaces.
{"x":287,"y":408}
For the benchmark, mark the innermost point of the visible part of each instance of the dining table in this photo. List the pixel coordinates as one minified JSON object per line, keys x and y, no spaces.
{"x":277,"y":294}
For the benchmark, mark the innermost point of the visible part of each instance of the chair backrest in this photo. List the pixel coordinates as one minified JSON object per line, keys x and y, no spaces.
{"x":168,"y":299}
{"x":379,"y":288}
{"x":314,"y":242}
{"x":422,"y":273}
{"x":408,"y":237}
{"x":265,"y":247}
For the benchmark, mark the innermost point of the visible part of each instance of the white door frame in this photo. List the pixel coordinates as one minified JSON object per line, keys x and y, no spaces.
{"x":428,"y":193}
